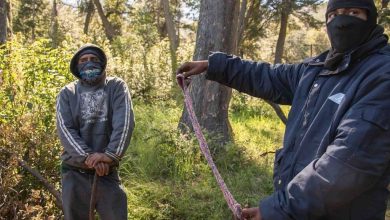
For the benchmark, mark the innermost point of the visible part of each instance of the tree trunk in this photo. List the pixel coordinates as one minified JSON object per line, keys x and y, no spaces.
{"x":88,"y":17}
{"x":54,"y":25}
{"x":285,"y":13}
{"x":33,"y":22}
{"x":217,"y":31}
{"x":9,"y":16}
{"x":242,"y":21}
{"x":108,"y":28}
{"x":173,"y":37}
{"x":3,"y":21}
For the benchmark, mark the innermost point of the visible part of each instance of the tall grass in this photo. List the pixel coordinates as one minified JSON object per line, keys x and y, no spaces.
{"x":166,"y":177}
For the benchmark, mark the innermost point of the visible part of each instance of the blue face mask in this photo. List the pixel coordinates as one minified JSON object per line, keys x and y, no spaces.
{"x":90,"y":72}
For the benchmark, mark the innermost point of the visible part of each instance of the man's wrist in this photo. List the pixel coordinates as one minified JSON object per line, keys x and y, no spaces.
{"x":113,"y":157}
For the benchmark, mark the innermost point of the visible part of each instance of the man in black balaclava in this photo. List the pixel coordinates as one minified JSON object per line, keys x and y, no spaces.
{"x":335,"y":159}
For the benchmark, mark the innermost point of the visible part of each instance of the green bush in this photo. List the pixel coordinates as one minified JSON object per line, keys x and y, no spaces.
{"x":32,"y":76}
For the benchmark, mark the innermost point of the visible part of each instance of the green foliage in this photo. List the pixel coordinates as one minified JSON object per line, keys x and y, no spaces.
{"x":146,"y":70}
{"x":303,"y":10}
{"x":259,"y":17}
{"x":301,"y":45}
{"x":32,"y":77}
{"x":384,"y":18}
{"x":115,"y":12}
{"x":31,"y":19}
{"x":383,"y":13}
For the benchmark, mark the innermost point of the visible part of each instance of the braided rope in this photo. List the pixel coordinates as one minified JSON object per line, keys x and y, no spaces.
{"x":234,"y":206}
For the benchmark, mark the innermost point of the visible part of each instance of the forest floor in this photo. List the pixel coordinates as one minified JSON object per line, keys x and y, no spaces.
{"x":166,"y":177}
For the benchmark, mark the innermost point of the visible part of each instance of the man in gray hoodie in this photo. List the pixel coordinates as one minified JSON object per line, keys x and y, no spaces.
{"x":95,"y":121}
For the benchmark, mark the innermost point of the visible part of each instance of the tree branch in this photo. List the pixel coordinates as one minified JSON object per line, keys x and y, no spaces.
{"x":50,"y":187}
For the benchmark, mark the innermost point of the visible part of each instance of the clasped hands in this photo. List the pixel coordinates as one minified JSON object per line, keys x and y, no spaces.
{"x":100,"y":162}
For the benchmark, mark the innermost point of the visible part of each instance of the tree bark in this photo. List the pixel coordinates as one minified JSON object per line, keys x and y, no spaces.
{"x":3,"y":21}
{"x":54,"y":25}
{"x":9,"y":22}
{"x":88,"y":17}
{"x":108,"y":28}
{"x":241,"y":21}
{"x":172,"y":35}
{"x":217,"y":31}
{"x":285,"y":13}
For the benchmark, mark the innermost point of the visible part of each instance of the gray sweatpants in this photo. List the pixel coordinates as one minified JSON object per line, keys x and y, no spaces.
{"x":111,"y":201}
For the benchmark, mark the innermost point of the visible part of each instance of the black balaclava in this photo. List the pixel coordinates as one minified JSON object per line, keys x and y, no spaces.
{"x":348,"y":32}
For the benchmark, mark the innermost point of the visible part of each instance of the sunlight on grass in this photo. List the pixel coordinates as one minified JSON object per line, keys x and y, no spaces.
{"x":166,"y":177}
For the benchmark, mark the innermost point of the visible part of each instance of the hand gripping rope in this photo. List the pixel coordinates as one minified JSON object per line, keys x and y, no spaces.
{"x":232,"y":203}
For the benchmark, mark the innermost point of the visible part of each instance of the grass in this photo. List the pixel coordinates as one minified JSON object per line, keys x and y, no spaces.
{"x":166,"y":177}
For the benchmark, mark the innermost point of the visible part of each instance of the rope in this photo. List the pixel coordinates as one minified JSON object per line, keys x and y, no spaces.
{"x":92,"y":202}
{"x":234,"y":206}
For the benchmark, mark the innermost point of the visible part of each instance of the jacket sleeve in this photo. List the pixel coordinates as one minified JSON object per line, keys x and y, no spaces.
{"x":122,"y":122}
{"x":276,"y":83}
{"x":356,"y":160}
{"x":68,"y":132}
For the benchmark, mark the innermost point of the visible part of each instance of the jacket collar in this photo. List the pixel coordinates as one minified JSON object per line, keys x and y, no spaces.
{"x":318,"y":61}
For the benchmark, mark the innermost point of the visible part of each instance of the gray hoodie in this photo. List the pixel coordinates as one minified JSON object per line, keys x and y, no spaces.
{"x":95,"y":118}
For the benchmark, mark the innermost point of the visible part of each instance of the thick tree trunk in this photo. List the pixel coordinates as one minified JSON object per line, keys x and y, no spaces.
{"x":88,"y":17}
{"x":217,"y":31}
{"x":3,"y":21}
{"x":172,"y":35}
{"x":108,"y":28}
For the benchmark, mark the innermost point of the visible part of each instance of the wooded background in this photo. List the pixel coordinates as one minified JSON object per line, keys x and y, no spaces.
{"x":164,"y":175}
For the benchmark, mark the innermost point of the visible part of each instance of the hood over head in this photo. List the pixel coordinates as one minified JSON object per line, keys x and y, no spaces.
{"x":87,"y":49}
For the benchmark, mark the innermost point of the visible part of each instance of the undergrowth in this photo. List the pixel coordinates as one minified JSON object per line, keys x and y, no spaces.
{"x":166,"y":177}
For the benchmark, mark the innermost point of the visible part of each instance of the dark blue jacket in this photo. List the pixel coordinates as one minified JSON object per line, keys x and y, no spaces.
{"x":335,"y":163}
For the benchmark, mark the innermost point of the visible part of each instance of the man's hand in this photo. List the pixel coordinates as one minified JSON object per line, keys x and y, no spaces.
{"x":251,"y":214}
{"x":192,"y":68}
{"x":95,"y":158}
{"x":102,"y":169}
